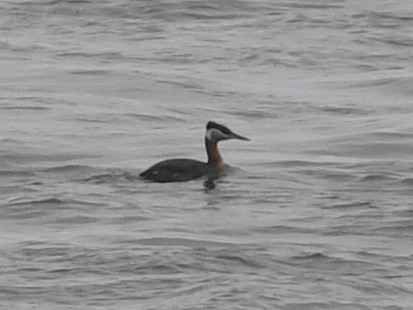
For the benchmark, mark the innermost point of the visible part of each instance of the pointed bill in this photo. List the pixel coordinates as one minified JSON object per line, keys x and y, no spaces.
{"x":239,"y":137}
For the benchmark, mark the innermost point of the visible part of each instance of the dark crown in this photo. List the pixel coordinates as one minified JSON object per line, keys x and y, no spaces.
{"x":221,"y":128}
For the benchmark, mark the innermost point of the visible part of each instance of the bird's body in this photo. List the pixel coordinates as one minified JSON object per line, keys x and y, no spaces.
{"x":182,"y":169}
{"x":176,"y":170}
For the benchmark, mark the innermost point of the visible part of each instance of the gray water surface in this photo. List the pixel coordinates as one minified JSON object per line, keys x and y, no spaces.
{"x":317,"y":214}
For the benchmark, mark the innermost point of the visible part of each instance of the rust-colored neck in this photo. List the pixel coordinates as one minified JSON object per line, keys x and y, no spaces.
{"x":214,"y":157}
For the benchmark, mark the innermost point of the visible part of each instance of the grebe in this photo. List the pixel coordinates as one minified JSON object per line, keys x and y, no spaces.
{"x":181,"y":169}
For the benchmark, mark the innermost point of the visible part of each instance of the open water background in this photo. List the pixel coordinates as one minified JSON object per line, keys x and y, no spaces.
{"x":319,"y":214}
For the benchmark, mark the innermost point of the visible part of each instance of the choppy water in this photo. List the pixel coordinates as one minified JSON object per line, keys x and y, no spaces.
{"x":319,"y":214}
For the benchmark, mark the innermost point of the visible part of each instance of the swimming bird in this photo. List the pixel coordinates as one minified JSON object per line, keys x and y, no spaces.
{"x":182,"y":169}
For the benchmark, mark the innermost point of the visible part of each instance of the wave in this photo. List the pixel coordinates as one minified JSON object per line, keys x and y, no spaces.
{"x":111,"y":176}
{"x":66,"y":168}
{"x":165,"y":241}
{"x":46,"y":201}
{"x":311,"y":256}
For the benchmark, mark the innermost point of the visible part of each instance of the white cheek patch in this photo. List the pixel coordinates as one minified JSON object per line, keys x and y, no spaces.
{"x":210,"y":133}
{"x":214,"y":134}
